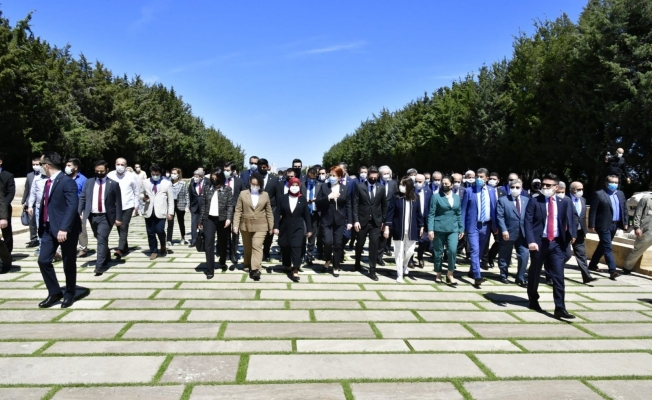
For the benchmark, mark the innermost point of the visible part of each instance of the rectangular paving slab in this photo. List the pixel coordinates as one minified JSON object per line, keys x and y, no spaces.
{"x":122,"y":393}
{"x":120,"y":294}
{"x":188,"y":277}
{"x":614,"y":316}
{"x":30,"y":304}
{"x":620,"y":296}
{"x":362,"y":366}
{"x":527,"y":331}
{"x":325,"y":305}
{"x":29,"y":315}
{"x":129,"y":285}
{"x":107,"y":369}
{"x":625,"y":390}
{"x":206,"y":294}
{"x":123,"y":315}
{"x":465,"y":316}
{"x":233,"y":286}
{"x":172,"y":331}
{"x":325,"y":286}
{"x":249,"y":315}
{"x":297,"y":330}
{"x":620,"y":330}
{"x":186,"y":369}
{"x":32,"y":393}
{"x":420,"y":305}
{"x":364,"y":315}
{"x":422,"y":330}
{"x":61,"y":331}
{"x":318,"y":295}
{"x":351,"y":346}
{"x":533,"y":390}
{"x":171,"y":347}
{"x":298,"y":391}
{"x":20,"y":347}
{"x":139,"y":304}
{"x":431,"y":296}
{"x":233,"y":304}
{"x":462,"y":345}
{"x":587,"y":345}
{"x":615,"y":306}
{"x":405,"y":391}
{"x":522,"y":306}
{"x":564,"y":364}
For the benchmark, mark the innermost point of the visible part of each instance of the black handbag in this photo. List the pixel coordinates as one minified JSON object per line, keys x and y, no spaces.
{"x":24,"y":218}
{"x":200,"y":243}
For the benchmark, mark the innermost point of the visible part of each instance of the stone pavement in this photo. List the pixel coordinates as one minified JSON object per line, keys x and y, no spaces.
{"x":160,"y":330}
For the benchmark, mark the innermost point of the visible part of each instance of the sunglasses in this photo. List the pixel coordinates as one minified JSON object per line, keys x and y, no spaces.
{"x":547,"y":185}
{"x":514,"y":187}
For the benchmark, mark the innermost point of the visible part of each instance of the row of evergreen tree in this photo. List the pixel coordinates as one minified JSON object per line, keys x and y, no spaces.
{"x":50,"y":100}
{"x":570,"y":93}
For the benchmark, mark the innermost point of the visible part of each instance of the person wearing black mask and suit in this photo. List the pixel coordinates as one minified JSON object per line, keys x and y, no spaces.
{"x":101,"y":204}
{"x":390,"y":186}
{"x":284,"y":187}
{"x":270,"y":186}
{"x":322,"y":179}
{"x":237,"y":185}
{"x":312,"y":188}
{"x":332,"y":202}
{"x":195,"y":201}
{"x":297,"y":166}
{"x":9,"y":185}
{"x":368,"y":211}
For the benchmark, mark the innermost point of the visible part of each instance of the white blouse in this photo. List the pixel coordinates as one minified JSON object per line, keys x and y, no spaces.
{"x":406,"y":223}
{"x":214,"y":211}
{"x":293,"y":202}
{"x":450,"y":199}
{"x":254,"y":200}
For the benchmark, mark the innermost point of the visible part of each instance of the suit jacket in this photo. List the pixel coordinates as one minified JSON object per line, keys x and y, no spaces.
{"x":333,"y":212}
{"x":470,"y":207}
{"x":396,"y":218}
{"x":509,"y":220}
{"x":28,"y":186}
{"x":581,"y":217}
{"x":245,"y":178}
{"x":271,"y":188}
{"x":238,"y":186}
{"x":4,"y":211}
{"x":601,"y":214}
{"x":292,"y":225}
{"x":442,"y":217}
{"x":427,"y":198}
{"x":364,"y":209}
{"x":196,"y":200}
{"x":250,"y":219}
{"x":391,"y":187}
{"x":501,"y":192}
{"x":536,"y":215}
{"x":161,"y":203}
{"x":112,"y":200}
{"x":9,"y":185}
{"x":62,"y":208}
{"x":225,"y":203}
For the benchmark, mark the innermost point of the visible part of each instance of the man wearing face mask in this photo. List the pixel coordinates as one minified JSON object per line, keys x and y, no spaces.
{"x":535,"y":187}
{"x":195,"y":199}
{"x":271,"y":186}
{"x":101,"y":204}
{"x":141,"y":175}
{"x":390,"y":187}
{"x":469,"y":179}
{"x":424,"y":194}
{"x":615,"y":165}
{"x":561,"y":190}
{"x":29,"y":182}
{"x":312,"y":188}
{"x":479,"y":214}
{"x":72,"y":170}
{"x":436,"y":182}
{"x":510,"y":215}
{"x":579,"y":246}
{"x":511,"y":178}
{"x":489,"y":254}
{"x":253,"y":167}
{"x":459,"y":189}
{"x":158,"y":199}
{"x":237,"y":185}
{"x":427,"y":178}
{"x":297,"y":166}
{"x":130,"y":191}
{"x":608,"y":213}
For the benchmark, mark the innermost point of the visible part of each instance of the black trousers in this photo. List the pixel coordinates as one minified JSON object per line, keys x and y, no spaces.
{"x":232,"y":245}
{"x":579,"y":251}
{"x":101,"y":231}
{"x":212,"y":227}
{"x":291,"y":256}
{"x":182,"y":224}
{"x":5,"y":256}
{"x":333,"y":244}
{"x":33,"y":228}
{"x":490,"y":253}
{"x":374,"y":233}
{"x":123,"y":230}
{"x":49,"y":246}
{"x":551,"y":253}
{"x":8,"y":233}
{"x":315,"y":239}
{"x":267,"y":244}
{"x":194,"y":223}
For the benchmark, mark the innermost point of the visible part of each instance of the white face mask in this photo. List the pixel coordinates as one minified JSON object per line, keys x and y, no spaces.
{"x":418,"y":185}
{"x":579,"y":193}
{"x":456,"y":185}
{"x":437,"y":182}
{"x":548,"y":192}
{"x":137,"y":169}
{"x":196,"y":179}
{"x":492,"y":182}
{"x":294,"y":189}
{"x":427,"y":180}
{"x":255,"y":189}
{"x":322,"y":177}
{"x":68,"y":170}
{"x":363,"y":176}
{"x":386,"y":177}
{"x":619,"y":155}
{"x":333,"y":180}
{"x":515,"y":192}
{"x":561,"y":195}
{"x":469,"y":180}
{"x":174,"y":177}
{"x":120,"y":169}
{"x":401,"y":188}
{"x":414,"y":178}
{"x":36,"y":168}
{"x":167,"y":175}
{"x":156,"y":178}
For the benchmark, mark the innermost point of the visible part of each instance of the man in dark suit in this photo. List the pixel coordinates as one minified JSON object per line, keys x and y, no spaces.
{"x":60,"y":225}
{"x":390,"y":187}
{"x":549,"y":230}
{"x":253,"y":167}
{"x":579,"y":246}
{"x":608,"y":212}
{"x":368,"y":210}
{"x":237,"y":185}
{"x":195,"y":199}
{"x":33,"y":230}
{"x":270,"y":185}
{"x":284,"y":185}
{"x":297,"y":166}
{"x":424,"y":194}
{"x":489,"y":253}
{"x":5,"y":256}
{"x":510,"y":214}
{"x":9,"y":185}
{"x":312,"y":188}
{"x":101,"y":204}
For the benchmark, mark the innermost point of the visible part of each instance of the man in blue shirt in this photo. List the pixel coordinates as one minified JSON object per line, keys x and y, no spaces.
{"x":72,"y":170}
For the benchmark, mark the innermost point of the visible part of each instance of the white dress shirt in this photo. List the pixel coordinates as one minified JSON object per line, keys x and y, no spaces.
{"x":293,"y":202}
{"x":214,"y":211}
{"x":545,"y":226}
{"x":96,"y":191}
{"x":36,"y":191}
{"x":254,"y":199}
{"x":422,"y":201}
{"x":129,"y":187}
{"x":450,"y":199}
{"x":406,"y":222}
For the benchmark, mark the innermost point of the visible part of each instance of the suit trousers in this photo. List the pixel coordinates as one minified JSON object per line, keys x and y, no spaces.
{"x":579,"y":250}
{"x":155,"y":227}
{"x":605,"y":248}
{"x":291,"y":256}
{"x":552,"y":253}
{"x":5,"y":256}
{"x":253,"y":243}
{"x":83,"y":237}
{"x":374,"y":233}
{"x":477,"y":238}
{"x":403,"y":251}
{"x":334,"y":244}
{"x":450,"y":239}
{"x":505,"y":257}
{"x":490,"y":252}
{"x":101,"y":231}
{"x":233,"y":239}
{"x":8,"y":233}
{"x":180,"y":215}
{"x":123,"y":230}
{"x":33,"y":227}
{"x":267,"y":245}
{"x":49,"y":246}
{"x":640,"y":246}
{"x":194,"y":225}
{"x":214,"y":227}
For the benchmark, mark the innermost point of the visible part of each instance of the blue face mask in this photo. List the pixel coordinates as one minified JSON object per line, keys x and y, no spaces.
{"x":479,"y":182}
{"x":612,"y":186}
{"x":253,"y":167}
{"x":227,"y":174}
{"x":333,"y":180}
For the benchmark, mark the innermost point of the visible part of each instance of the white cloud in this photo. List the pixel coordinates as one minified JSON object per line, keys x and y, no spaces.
{"x":149,"y":12}
{"x":331,"y":49}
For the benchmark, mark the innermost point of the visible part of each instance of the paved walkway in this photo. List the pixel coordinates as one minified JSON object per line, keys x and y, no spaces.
{"x":162,"y":331}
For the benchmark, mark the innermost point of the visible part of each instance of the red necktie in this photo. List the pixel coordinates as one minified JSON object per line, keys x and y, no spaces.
{"x":200,"y":188}
{"x":551,"y":219}
{"x":99,"y":198}
{"x":46,"y":199}
{"x":518,"y":207}
{"x":154,"y":188}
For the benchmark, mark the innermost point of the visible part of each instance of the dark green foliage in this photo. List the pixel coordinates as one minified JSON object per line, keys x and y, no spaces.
{"x":52,"y":101}
{"x":570,"y":93}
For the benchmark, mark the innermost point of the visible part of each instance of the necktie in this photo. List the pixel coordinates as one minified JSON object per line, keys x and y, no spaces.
{"x":371,"y":192}
{"x":483,"y":213}
{"x":311,"y":195}
{"x":518,"y":207}
{"x":199,"y":188}
{"x":154,"y":189}
{"x":46,"y":200}
{"x":99,"y":198}
{"x":551,"y":219}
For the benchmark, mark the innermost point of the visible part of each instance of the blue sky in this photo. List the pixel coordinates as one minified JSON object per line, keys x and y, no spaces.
{"x":288,"y":79}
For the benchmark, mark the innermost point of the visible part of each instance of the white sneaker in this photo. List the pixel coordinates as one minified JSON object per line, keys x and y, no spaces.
{"x":406,"y":271}
{"x":400,"y":280}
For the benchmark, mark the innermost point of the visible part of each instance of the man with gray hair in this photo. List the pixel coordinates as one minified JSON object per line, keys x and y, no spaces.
{"x":390,"y":186}
{"x":195,"y":200}
{"x":469,"y":178}
{"x":643,"y":231}
{"x":561,"y":190}
{"x":579,"y":246}
{"x":436,"y":182}
{"x":412,"y":173}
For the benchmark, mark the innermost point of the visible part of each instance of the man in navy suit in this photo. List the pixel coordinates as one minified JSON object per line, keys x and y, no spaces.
{"x":579,"y":246}
{"x":390,"y":187}
{"x":608,"y":212}
{"x":253,"y":167}
{"x":510,"y":214}
{"x":60,"y":226}
{"x":423,"y":193}
{"x":479,"y":216}
{"x":101,"y":203}
{"x":549,"y":230}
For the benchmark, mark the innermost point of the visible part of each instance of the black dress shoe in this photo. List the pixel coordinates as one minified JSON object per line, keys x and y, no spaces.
{"x":255,"y":275}
{"x":549,"y":282}
{"x":587,"y":281}
{"x":626,"y":271}
{"x":67,"y":302}
{"x":470,"y":274}
{"x":505,"y":281}
{"x":521,"y":283}
{"x":5,"y":270}
{"x":233,"y":260}
{"x":388,"y":253}
{"x":373,"y":276}
{"x":50,"y":301}
{"x":358,"y":268}
{"x":484,"y":267}
{"x":266,"y":259}
{"x":224,"y":267}
{"x":33,"y":243}
{"x":209,"y":275}
{"x":98,"y":272}
{"x":614,"y":275}
{"x":561,"y":313}
{"x":381,"y":263}
{"x":479,"y":282}
{"x":593,"y":268}
{"x":535,"y":306}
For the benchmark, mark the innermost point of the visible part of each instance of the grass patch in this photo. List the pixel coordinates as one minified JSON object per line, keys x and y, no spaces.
{"x":313,"y":318}
{"x":184,"y":317}
{"x":177,"y":285}
{"x":241,"y":375}
{"x":381,"y":295}
{"x":294,"y":345}
{"x":179,"y":304}
{"x":187,"y":391}
{"x":377,"y":332}
{"x":348,"y":392}
{"x":419,"y":317}
{"x":52,"y":392}
{"x":104,"y":307}
{"x":409,"y":346}
{"x":60,"y":316}
{"x":257,"y":296}
{"x":473,"y":332}
{"x":482,"y":367}
{"x":460,"y":388}
{"x":362,"y":305}
{"x":244,"y":278}
{"x":220,"y":333}
{"x":156,"y":292}
{"x":124,"y":330}
{"x":44,"y":347}
{"x":517,"y":344}
{"x":161,"y":370}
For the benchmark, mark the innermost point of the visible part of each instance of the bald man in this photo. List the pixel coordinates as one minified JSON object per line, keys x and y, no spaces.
{"x":615,"y":165}
{"x":129,"y":190}
{"x":579,"y":246}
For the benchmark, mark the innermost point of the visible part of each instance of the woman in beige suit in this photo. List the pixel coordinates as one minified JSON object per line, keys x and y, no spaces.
{"x":255,"y":219}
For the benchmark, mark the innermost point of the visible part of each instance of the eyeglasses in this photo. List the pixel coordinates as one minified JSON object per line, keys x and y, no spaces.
{"x":576,"y":189}
{"x":547,"y":185}
{"x":514,"y":187}
{"x":253,"y":163}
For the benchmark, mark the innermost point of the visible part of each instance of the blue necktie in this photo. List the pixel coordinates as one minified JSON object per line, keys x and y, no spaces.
{"x":483,"y":214}
{"x":310,"y":197}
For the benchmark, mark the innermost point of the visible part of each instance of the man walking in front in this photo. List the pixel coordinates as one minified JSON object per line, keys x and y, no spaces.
{"x":129,"y":190}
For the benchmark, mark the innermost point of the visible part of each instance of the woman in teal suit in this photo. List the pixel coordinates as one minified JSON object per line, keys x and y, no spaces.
{"x":445,"y":226}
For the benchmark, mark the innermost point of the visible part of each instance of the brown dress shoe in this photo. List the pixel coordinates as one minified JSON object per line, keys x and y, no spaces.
{"x":153,"y":256}
{"x":81,"y":253}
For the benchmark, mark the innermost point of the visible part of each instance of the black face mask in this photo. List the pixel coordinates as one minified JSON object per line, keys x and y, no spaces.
{"x":446,"y":189}
{"x":215,"y":182}
{"x":263,"y":172}
{"x":536,"y":186}
{"x":288,"y":178}
{"x":100,"y":176}
{"x":372,"y":181}
{"x":297,"y":171}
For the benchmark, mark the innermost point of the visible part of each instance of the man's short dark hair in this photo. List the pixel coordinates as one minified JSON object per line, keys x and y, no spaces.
{"x":344,"y":165}
{"x":296,"y":160}
{"x":551,"y":177}
{"x":231,"y":165}
{"x":611,"y":177}
{"x":496,"y":174}
{"x":53,"y":158}
{"x":312,"y":171}
{"x":74,"y":161}
{"x":256,"y":157}
{"x":155,"y":168}
{"x":318,"y":166}
{"x":102,"y":163}
{"x":363,"y":167}
{"x":372,"y":170}
{"x":33,"y":159}
{"x":263,"y":161}
{"x":482,"y":171}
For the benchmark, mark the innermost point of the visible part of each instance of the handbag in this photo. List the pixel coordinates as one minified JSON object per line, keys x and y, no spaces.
{"x":24,"y":218}
{"x":200,"y":243}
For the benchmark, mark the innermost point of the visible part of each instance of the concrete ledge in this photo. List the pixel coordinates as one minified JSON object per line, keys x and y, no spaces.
{"x":622,"y":246}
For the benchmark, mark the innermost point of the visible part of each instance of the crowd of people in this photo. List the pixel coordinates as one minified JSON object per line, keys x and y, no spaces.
{"x":316,"y":212}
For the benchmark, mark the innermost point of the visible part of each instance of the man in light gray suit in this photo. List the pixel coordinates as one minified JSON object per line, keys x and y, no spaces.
{"x":158,"y":201}
{"x":33,"y":231}
{"x":510,"y":213}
